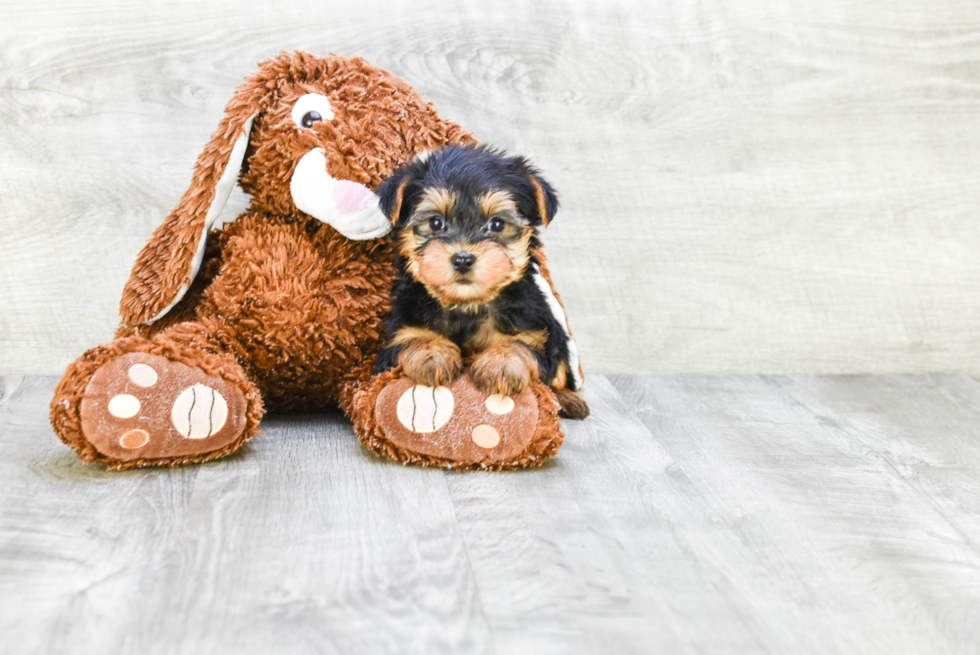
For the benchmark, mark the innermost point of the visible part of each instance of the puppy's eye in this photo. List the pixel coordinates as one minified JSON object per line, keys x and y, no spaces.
{"x":497,"y":225}
{"x":311,"y":109}
{"x":436,"y":224}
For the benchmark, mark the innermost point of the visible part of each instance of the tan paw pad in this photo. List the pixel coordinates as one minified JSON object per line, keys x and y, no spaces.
{"x":124,"y":405}
{"x":199,"y":412}
{"x":143,"y":375}
{"x":486,"y":436}
{"x":500,"y":404}
{"x":134,"y":439}
{"x":425,"y":409}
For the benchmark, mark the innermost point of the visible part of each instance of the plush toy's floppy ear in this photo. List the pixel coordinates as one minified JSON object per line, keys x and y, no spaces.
{"x":168,"y":263}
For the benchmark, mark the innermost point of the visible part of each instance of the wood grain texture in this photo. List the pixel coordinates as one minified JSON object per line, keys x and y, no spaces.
{"x":840,"y":547}
{"x":688,"y":514}
{"x":762,"y":186}
{"x":301,"y":543}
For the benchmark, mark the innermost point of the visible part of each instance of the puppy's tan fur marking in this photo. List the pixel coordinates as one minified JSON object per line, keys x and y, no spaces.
{"x":399,"y":197}
{"x":489,"y":336}
{"x":497,"y":202}
{"x":407,"y":334}
{"x":437,"y":199}
{"x":542,"y":204}
{"x":519,"y":253}
{"x":560,"y":380}
{"x":428,"y":358}
{"x":505,"y":369}
{"x":408,"y":246}
{"x":494,"y":269}
{"x":433,"y":268}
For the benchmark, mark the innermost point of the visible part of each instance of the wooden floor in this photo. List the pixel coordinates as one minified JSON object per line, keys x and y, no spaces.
{"x":727,"y":514}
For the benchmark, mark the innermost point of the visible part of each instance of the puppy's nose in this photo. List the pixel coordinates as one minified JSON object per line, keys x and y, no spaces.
{"x":463,"y":261}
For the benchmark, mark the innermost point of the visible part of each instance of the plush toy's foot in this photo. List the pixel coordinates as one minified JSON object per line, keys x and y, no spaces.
{"x":149,"y":408}
{"x":458,"y":426}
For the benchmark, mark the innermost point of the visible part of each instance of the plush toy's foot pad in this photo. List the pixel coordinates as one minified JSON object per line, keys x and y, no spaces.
{"x":460,"y":427}
{"x":144,"y":406}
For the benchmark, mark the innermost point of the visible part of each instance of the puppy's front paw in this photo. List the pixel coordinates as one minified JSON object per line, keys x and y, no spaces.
{"x":433,"y":364}
{"x":505,"y":371}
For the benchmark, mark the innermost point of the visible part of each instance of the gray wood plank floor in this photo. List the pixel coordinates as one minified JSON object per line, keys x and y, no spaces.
{"x":721,"y":514}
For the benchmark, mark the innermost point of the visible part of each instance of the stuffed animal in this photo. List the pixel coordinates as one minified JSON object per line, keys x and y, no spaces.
{"x":282,"y":308}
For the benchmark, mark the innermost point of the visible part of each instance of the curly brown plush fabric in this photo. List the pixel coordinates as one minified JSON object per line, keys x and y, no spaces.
{"x":279,"y":302}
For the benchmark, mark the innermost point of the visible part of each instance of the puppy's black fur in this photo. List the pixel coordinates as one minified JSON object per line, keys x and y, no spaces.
{"x":469,"y":170}
{"x":474,"y":203}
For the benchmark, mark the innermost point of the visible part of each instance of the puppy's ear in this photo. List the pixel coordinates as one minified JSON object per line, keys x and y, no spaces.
{"x":392,"y":195}
{"x":545,"y":198}
{"x":167,"y":265}
{"x":395,"y":193}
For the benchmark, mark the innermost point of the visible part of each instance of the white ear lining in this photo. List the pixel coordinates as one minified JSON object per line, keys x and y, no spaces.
{"x":222,"y":190}
{"x":559,"y":314}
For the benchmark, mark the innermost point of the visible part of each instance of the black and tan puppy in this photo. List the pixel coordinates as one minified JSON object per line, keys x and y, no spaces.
{"x":469,"y":276}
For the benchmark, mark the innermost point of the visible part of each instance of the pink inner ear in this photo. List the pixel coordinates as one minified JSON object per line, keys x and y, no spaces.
{"x":352,"y":197}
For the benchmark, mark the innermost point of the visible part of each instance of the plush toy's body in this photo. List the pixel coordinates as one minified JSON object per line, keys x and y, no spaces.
{"x":295,"y":301}
{"x":282,"y":309}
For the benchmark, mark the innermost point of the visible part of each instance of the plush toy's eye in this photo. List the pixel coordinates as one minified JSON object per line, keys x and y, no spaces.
{"x":310,"y":109}
{"x":311,"y":117}
{"x":497,"y":225}
{"x":436,"y":224}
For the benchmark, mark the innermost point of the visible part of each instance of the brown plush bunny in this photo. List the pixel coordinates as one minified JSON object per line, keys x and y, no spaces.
{"x":283,"y":307}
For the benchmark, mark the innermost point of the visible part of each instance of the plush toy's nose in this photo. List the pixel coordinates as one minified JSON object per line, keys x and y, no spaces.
{"x":349,"y":207}
{"x":463,"y":261}
{"x":353,"y":197}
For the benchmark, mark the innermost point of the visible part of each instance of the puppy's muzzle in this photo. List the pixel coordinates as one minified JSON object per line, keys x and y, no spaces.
{"x":463,"y":261}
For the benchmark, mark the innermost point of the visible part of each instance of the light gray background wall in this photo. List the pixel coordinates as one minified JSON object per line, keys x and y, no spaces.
{"x":762,"y":185}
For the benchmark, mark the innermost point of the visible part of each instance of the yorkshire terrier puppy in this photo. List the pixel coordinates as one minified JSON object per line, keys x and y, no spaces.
{"x":469,"y":283}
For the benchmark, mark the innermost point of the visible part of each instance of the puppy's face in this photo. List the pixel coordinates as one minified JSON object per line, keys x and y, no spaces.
{"x":465,"y":248}
{"x":466,"y":219}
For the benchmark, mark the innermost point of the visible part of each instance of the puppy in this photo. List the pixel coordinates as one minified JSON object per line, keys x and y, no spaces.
{"x":469,"y":279}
